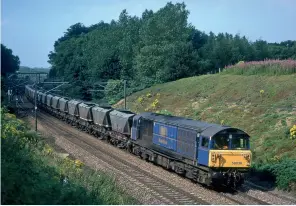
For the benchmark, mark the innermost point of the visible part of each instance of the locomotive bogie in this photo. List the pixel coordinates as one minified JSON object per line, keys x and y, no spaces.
{"x":99,"y":130}
{"x":118,"y":139}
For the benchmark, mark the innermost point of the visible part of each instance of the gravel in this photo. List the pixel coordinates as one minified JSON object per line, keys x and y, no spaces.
{"x":268,"y":197}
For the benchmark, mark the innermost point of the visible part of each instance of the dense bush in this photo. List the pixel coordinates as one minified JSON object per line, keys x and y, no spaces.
{"x":283,"y":172}
{"x":114,"y":91}
{"x":31,"y":173}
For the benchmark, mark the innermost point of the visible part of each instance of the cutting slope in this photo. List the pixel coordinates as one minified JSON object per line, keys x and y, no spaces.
{"x":263,"y":106}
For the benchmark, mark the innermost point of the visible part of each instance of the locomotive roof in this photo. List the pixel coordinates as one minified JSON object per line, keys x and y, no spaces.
{"x":206,"y":129}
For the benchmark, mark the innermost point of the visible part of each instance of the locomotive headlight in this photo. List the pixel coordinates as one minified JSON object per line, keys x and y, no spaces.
{"x":213,"y":157}
{"x":247,"y":157}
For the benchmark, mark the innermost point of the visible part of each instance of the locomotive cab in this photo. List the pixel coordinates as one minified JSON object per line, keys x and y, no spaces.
{"x":230,"y":148}
{"x":226,"y":151}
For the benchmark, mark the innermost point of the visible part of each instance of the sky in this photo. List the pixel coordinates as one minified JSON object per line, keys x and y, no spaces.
{"x":30,"y":27}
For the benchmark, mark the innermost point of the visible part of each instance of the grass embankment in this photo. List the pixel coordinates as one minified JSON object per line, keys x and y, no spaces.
{"x":32,"y":173}
{"x":262,"y":105}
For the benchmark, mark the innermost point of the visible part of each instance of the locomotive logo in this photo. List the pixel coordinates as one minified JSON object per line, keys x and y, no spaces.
{"x":163,"y":141}
{"x":237,"y":163}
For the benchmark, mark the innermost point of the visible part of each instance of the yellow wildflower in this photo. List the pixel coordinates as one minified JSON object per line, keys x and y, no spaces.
{"x":293,"y":132}
{"x":78,"y":163}
{"x":140,"y":99}
{"x":154,"y":103}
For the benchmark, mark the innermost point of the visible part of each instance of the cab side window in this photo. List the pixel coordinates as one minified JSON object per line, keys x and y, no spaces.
{"x":205,"y":142}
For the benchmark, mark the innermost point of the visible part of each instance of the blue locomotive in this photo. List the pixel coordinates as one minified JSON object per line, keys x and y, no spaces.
{"x":207,"y":153}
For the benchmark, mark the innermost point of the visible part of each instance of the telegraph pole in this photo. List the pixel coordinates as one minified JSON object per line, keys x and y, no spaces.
{"x":35,"y":98}
{"x":124,"y":93}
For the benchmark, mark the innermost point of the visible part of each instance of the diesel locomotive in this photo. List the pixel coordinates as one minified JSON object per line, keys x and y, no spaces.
{"x":209,"y":154}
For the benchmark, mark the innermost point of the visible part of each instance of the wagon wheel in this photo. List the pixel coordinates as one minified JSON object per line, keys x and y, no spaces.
{"x":100,"y":136}
{"x":129,"y":147}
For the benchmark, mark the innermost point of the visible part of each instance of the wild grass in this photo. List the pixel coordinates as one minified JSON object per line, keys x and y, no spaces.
{"x":266,"y":67}
{"x":32,"y":173}
{"x":262,"y":105}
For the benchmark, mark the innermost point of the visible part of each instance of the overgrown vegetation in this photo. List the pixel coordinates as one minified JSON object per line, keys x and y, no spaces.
{"x":154,"y":48}
{"x":32,"y":173}
{"x":268,"y":67}
{"x":283,"y":172}
{"x":261,"y":105}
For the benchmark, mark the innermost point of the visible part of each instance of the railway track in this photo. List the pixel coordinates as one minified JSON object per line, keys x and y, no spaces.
{"x":165,"y":189}
{"x":250,"y":185}
{"x":242,"y":192}
{"x":159,"y":187}
{"x":240,"y":195}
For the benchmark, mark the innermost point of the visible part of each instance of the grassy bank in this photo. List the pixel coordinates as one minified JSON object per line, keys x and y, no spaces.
{"x":261,"y":105}
{"x":32,"y":173}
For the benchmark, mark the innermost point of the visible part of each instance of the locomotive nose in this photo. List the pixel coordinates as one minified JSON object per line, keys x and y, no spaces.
{"x":230,"y":159}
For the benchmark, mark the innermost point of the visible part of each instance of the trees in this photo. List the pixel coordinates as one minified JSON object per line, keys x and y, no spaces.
{"x":9,"y":62}
{"x":165,"y":45}
{"x":157,"y":47}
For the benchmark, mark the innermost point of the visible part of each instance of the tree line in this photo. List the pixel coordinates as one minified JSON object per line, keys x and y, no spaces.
{"x":10,"y":63}
{"x":155,"y":48}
